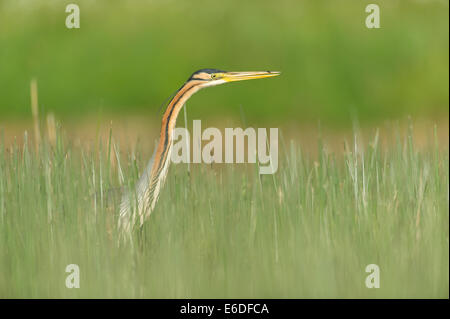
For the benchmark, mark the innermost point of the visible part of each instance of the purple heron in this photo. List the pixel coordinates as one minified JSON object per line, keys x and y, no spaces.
{"x":137,"y":205}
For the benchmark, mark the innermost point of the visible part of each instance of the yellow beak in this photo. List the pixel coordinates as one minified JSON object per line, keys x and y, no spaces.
{"x":241,"y":76}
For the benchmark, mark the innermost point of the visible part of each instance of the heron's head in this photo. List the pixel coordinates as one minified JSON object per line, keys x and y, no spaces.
{"x":211,"y":77}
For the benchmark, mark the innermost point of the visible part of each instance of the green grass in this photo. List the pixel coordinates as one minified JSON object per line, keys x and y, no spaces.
{"x":308,"y":231}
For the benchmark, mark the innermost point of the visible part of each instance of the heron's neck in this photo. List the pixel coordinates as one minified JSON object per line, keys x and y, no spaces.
{"x":175,"y":105}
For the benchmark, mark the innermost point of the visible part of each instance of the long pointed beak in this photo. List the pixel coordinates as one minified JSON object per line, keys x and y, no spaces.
{"x":241,"y":76}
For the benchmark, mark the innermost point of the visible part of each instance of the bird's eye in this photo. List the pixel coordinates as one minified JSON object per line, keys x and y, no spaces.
{"x":213,"y":76}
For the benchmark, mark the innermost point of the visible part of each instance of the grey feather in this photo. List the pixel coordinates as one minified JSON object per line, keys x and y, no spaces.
{"x":139,"y":204}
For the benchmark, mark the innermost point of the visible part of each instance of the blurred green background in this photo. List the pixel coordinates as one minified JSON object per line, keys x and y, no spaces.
{"x":129,"y":56}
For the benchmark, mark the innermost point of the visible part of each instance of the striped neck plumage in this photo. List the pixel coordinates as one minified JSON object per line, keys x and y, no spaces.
{"x":137,"y":206}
